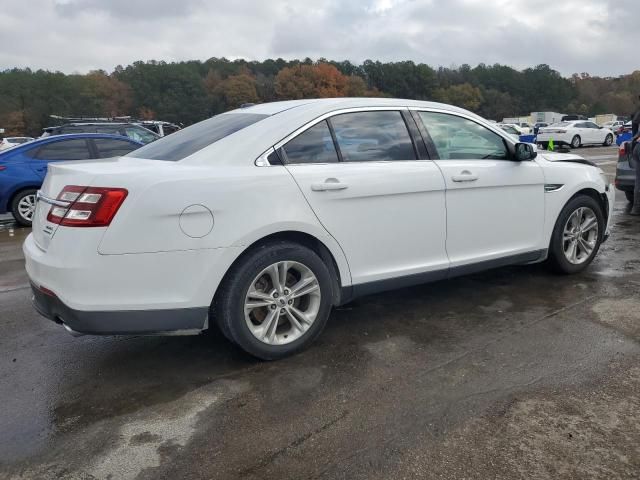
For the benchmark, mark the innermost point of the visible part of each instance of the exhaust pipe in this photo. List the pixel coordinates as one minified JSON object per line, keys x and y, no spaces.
{"x":71,"y":330}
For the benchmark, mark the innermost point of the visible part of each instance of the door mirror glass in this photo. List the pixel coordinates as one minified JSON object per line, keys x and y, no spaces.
{"x":525,"y":152}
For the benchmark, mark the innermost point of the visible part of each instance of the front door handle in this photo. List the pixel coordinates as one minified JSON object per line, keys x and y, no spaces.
{"x":330,"y":184}
{"x":465,"y":176}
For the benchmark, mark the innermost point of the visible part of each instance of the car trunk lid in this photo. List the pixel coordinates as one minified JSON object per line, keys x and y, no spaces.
{"x":104,"y":173}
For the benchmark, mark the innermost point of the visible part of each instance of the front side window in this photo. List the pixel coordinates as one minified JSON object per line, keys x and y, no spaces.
{"x":111,"y":147}
{"x":314,"y":145}
{"x":74,"y":149}
{"x":457,"y":138}
{"x":189,"y":140}
{"x":372,"y":136}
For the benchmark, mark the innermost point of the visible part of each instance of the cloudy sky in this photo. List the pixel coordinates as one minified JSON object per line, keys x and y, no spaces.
{"x":81,"y":35}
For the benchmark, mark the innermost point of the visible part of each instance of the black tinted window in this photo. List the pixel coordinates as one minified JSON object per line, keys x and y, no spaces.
{"x":73,"y":149}
{"x":457,"y":138}
{"x":169,"y":129}
{"x":110,"y":147}
{"x":189,"y":140}
{"x":372,"y":136}
{"x":314,"y":145}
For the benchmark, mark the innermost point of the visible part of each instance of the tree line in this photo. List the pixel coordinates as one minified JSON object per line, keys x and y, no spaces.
{"x":190,"y":91}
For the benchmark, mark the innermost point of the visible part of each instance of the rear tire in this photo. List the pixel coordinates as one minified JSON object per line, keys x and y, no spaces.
{"x":569,"y":230}
{"x":23,"y":207}
{"x":608,"y":141}
{"x":629,"y":196}
{"x":276,"y":319}
{"x":576,"y":142}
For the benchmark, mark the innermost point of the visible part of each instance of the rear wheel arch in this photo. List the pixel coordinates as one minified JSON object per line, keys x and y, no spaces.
{"x":18,"y":191}
{"x":300,"y":238}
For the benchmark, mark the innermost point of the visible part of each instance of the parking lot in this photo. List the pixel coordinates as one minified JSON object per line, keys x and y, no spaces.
{"x":512,"y":373}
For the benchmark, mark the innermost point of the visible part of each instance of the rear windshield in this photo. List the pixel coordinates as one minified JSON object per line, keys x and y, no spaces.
{"x":186,"y":142}
{"x":561,"y":124}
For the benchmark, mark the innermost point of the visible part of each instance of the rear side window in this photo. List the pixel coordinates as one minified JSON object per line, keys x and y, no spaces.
{"x":73,"y":149}
{"x":111,"y":147}
{"x":372,"y":136}
{"x":188,"y":141}
{"x":314,"y":145}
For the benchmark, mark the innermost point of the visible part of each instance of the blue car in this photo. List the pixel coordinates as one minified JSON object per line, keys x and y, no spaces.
{"x":23,"y":168}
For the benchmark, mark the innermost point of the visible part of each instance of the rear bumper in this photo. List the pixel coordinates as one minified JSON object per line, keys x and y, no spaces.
{"x":123,"y":322}
{"x":625,"y":177}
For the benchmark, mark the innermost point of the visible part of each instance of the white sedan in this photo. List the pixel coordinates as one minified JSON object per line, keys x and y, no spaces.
{"x":575,"y":134}
{"x":262,"y":219}
{"x":10,"y":142}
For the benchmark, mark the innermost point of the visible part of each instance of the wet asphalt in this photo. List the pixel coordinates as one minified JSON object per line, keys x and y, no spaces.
{"x":512,"y":373}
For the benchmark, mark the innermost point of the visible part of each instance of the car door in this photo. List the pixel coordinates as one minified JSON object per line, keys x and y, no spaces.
{"x":385,"y":207}
{"x":597,"y":135}
{"x":585,"y":132}
{"x":59,"y":150}
{"x":495,"y":206}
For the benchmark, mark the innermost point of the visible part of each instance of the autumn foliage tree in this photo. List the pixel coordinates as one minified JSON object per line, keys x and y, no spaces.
{"x":190,"y":91}
{"x":236,"y":90}
{"x":319,"y":80}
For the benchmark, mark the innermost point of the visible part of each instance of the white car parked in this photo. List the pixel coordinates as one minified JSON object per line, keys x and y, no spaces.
{"x":10,"y":142}
{"x":262,"y":219}
{"x":575,"y":134}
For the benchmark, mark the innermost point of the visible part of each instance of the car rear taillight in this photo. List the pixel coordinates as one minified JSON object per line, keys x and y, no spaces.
{"x":623,"y":149}
{"x":88,"y":206}
{"x":2,"y":167}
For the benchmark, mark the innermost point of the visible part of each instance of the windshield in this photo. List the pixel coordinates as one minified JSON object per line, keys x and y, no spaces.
{"x":188,"y":141}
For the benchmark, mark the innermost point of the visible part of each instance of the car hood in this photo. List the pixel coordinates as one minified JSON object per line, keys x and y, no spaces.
{"x":565,"y":157}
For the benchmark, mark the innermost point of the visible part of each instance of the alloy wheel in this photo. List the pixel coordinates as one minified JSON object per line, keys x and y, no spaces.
{"x":580,"y":236}
{"x":282,"y":303}
{"x":575,"y":143}
{"x":27,"y":207}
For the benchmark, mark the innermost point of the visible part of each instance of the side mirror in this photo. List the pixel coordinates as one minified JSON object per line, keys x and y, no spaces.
{"x":525,"y":152}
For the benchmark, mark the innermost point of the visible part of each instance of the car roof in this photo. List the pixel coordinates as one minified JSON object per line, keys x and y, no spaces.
{"x":282,"y":119}
{"x":68,"y":136}
{"x":273,"y":108}
{"x":81,"y":124}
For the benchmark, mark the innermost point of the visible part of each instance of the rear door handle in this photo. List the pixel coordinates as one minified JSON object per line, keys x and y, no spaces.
{"x":330,"y":184}
{"x":465,"y":176}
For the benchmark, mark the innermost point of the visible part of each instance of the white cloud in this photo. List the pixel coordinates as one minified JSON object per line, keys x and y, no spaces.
{"x":79,"y":35}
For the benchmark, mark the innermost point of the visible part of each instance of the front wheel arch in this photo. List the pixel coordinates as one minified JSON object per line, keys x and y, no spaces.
{"x":555,"y":258}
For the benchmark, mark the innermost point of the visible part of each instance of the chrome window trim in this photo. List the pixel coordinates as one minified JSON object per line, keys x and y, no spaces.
{"x":498,"y":131}
{"x":264,"y":162}
{"x":51,"y":201}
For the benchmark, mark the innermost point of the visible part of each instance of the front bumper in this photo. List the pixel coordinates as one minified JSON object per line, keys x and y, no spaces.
{"x":123,"y":322}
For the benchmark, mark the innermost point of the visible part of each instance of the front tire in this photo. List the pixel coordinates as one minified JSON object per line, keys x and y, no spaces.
{"x":23,"y":207}
{"x":608,"y":141}
{"x":577,"y":235}
{"x":576,"y":142}
{"x":275,"y":301}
